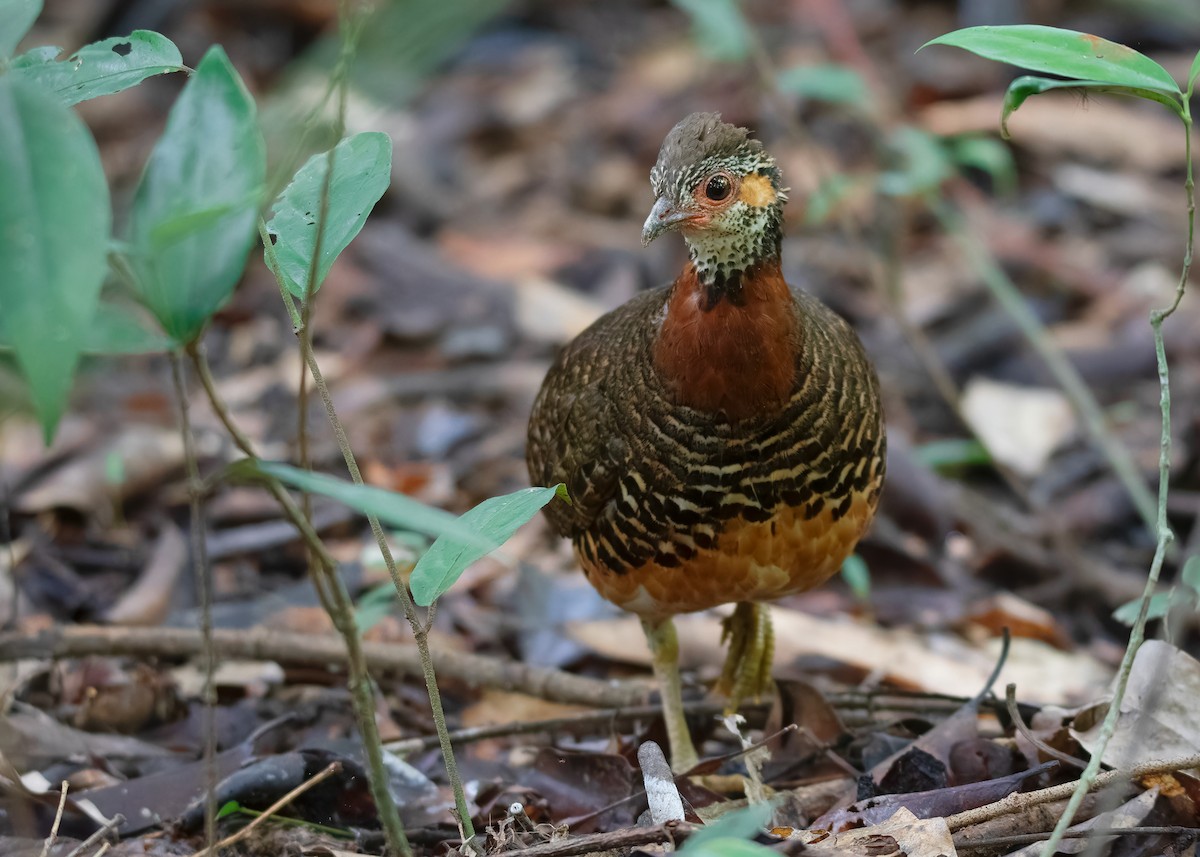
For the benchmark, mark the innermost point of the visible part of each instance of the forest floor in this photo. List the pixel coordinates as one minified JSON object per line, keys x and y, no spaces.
{"x":523,"y":136}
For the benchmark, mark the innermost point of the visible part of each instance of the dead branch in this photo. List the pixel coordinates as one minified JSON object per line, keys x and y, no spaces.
{"x":320,"y":651}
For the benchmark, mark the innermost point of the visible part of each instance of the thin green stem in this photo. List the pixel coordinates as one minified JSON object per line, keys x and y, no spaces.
{"x":1085,"y":404}
{"x":203,"y":575}
{"x":1164,"y":535}
{"x":340,"y":607}
{"x":301,"y":321}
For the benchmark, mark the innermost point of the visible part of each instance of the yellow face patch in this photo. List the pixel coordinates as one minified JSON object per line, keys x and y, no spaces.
{"x":756,"y":190}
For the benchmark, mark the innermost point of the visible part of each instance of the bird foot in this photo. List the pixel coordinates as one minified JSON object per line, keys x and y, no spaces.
{"x":747,"y":670}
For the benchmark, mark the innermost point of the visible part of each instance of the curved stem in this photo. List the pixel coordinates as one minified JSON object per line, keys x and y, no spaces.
{"x":1164,"y":535}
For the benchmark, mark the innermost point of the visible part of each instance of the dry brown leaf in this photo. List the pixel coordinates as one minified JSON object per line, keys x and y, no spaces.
{"x":1158,"y":714}
{"x":917,"y":837}
{"x":1021,"y":426}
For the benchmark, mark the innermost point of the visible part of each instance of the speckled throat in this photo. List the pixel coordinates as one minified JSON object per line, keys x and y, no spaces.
{"x":722,"y":258}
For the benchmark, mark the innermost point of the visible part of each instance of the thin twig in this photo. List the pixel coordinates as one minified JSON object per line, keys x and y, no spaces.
{"x":1003,"y":843}
{"x":203,"y":575}
{"x":322,"y":775}
{"x":111,"y":825}
{"x":1163,"y":534}
{"x":1014,"y":714}
{"x":62,"y":805}
{"x":1018,"y":801}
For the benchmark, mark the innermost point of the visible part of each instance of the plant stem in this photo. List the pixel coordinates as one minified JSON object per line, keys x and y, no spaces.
{"x":1064,"y":372}
{"x":341,"y":610}
{"x":1163,"y":533}
{"x":203,"y":575}
{"x":420,"y":633}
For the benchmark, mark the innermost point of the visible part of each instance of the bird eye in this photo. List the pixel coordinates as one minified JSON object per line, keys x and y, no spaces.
{"x":718,"y":187}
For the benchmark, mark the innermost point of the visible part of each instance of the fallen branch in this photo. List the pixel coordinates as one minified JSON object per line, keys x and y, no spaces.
{"x":320,"y":651}
{"x":1019,"y":801}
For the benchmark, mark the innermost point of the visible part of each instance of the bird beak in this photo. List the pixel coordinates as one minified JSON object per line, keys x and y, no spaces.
{"x":662,"y":218}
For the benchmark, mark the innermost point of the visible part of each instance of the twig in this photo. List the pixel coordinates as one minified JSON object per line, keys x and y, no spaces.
{"x":203,"y":576}
{"x":62,"y":804}
{"x":112,"y":824}
{"x":998,"y":843}
{"x":1163,"y":534}
{"x":320,"y":651}
{"x":1018,"y":801}
{"x":1010,"y":702}
{"x":596,"y":843}
{"x":553,"y":725}
{"x":322,"y":775}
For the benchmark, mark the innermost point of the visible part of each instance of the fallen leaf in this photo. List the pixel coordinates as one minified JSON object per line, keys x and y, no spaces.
{"x":1021,"y":426}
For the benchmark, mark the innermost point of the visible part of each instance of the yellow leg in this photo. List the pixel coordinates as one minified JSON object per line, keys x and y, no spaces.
{"x":747,"y":671}
{"x":664,"y":646}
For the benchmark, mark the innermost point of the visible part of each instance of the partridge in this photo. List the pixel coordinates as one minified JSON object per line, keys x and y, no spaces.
{"x":721,"y":438}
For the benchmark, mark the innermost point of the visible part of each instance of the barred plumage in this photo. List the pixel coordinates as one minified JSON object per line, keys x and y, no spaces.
{"x":721,"y":438}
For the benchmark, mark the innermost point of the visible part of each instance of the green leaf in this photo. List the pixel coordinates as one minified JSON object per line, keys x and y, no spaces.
{"x":924,"y":163}
{"x":101,"y":68}
{"x":114,"y":330}
{"x":16,"y":17}
{"x":1066,"y":53}
{"x":494,"y":520}
{"x":857,"y":576}
{"x":740,"y":824}
{"x":1027,"y":85}
{"x":989,"y":156}
{"x":1191,"y":573}
{"x":719,"y":28}
{"x":395,"y":510}
{"x":229,"y":808}
{"x":836,"y":84}
{"x":195,"y":210}
{"x":1161,"y":603}
{"x":1193,"y":73}
{"x":55,"y":214}
{"x":362,"y":170}
{"x":953,"y":453}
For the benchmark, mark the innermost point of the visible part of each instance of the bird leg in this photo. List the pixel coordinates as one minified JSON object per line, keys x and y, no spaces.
{"x":664,"y":647}
{"x":747,"y":671}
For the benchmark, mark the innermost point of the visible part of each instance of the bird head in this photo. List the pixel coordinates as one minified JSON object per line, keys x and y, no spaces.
{"x":722,"y":190}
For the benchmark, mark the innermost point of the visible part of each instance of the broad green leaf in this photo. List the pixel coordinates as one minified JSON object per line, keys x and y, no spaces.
{"x":114,"y":330}
{"x":494,"y":520}
{"x":745,"y":823}
{"x":924,"y":163}
{"x":1063,"y":52}
{"x":719,"y":28}
{"x":1027,"y":85}
{"x":54,"y":227}
{"x":194,"y":213}
{"x":1193,"y":73}
{"x":394,"y":510}
{"x":857,"y":576}
{"x":101,"y":68}
{"x":836,"y":84}
{"x":230,"y":807}
{"x":989,"y":156}
{"x":16,"y":17}
{"x":1191,"y":573}
{"x":362,"y":169}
